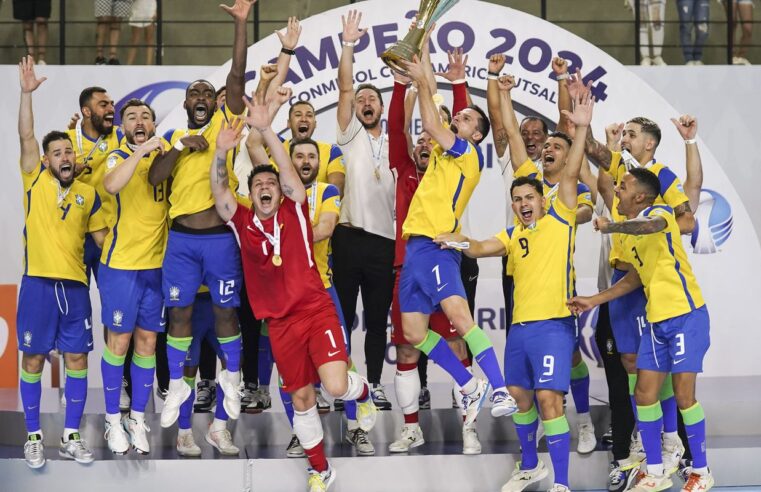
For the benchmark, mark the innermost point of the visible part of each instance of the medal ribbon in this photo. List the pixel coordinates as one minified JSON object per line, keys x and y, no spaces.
{"x":274,"y":238}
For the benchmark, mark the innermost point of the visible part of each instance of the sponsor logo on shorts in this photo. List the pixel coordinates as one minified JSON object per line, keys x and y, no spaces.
{"x":89,"y":344}
{"x":174,"y":293}
{"x":27,"y":339}
{"x":438,"y":289}
{"x":542,"y":380}
{"x":118,"y":317}
{"x":225,"y":301}
{"x":331,"y":354}
{"x":472,"y":278}
{"x":680,"y":360}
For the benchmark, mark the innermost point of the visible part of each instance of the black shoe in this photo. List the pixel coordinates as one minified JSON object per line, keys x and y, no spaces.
{"x":620,"y":480}
{"x":424,"y":400}
{"x":379,"y":397}
{"x":206,"y":396}
{"x":100,"y":60}
{"x":161,"y":393}
{"x":607,"y":438}
{"x":113,"y":61}
{"x":338,"y":405}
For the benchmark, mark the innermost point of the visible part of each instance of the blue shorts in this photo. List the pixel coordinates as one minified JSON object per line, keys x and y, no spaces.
{"x":203,"y":329}
{"x":92,"y":258}
{"x":337,"y":303}
{"x":195,"y":259}
{"x":53,"y":314}
{"x":131,"y":298}
{"x":676,"y":344}
{"x":628,"y":317}
{"x":429,"y":275}
{"x":538,"y":354}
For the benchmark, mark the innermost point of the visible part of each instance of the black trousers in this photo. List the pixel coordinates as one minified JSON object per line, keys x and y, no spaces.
{"x":365,"y":261}
{"x":507,"y":293}
{"x":250,"y":329}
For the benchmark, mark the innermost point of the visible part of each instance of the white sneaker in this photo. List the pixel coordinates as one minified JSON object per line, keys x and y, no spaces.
{"x":658,"y":60}
{"x":294,"y":449}
{"x":646,"y":61}
{"x":698,"y":62}
{"x":323,"y":406}
{"x":34,"y":451}
{"x":137,"y":430}
{"x":359,"y":439}
{"x":520,"y":479}
{"x":222,"y":441}
{"x":698,"y":483}
{"x":177,"y":393}
{"x":321,"y":481}
{"x":739,"y":60}
{"x":672,"y":451}
{"x":503,"y":405}
{"x":473,"y":402}
{"x":587,"y":440}
{"x":117,"y":439}
{"x":652,"y":483}
{"x":230,"y":383}
{"x":411,"y":437}
{"x":558,"y":488}
{"x":470,"y":443}
{"x":636,"y":450}
{"x":367,"y":412}
{"x":75,"y":449}
{"x":124,"y":400}
{"x":186,"y":445}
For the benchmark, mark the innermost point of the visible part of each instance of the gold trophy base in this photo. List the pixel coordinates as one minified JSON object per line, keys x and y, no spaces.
{"x":403,"y":51}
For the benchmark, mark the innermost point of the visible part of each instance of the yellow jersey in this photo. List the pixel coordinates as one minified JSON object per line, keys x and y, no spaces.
{"x":55,"y":223}
{"x":672,"y":195}
{"x":191,"y":189}
{"x":444,"y":191}
{"x":138,"y":226}
{"x":670,"y":286}
{"x":331,"y":160}
{"x":540,"y":259}
{"x":323,"y":198}
{"x":92,"y":155}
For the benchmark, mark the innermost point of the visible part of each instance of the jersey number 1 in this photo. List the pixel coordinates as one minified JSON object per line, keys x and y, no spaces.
{"x":636,"y":255}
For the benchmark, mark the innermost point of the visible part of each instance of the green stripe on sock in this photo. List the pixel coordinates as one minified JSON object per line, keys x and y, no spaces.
{"x":112,"y":358}
{"x":580,"y":371}
{"x":29,"y":377}
{"x":264,"y":330}
{"x":179,"y":343}
{"x":693,"y":415}
{"x":650,"y":413}
{"x":144,"y":361}
{"x":430,"y":341}
{"x":526,"y":418}
{"x":222,"y":340}
{"x":76,"y":373}
{"x":556,"y":426}
{"x":667,"y":390}
{"x":477,"y":340}
{"x":632,"y":383}
{"x":189,"y":381}
{"x":352,"y":367}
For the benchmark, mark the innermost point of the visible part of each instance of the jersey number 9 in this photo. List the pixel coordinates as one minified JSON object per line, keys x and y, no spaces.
{"x":524,"y":245}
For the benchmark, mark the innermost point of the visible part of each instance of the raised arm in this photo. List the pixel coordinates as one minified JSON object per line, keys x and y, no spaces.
{"x":118,"y":177}
{"x":267,"y":80}
{"x":288,"y":40}
{"x":455,"y":74}
{"x":687,"y":126}
{"x":255,"y":148}
{"x":350,"y":36}
{"x":236,"y":77}
{"x":428,"y":112}
{"x":518,"y":154}
{"x":30,"y":148}
{"x":596,"y":151}
{"x":496,"y":62}
{"x":580,"y":118}
{"x":560,"y":68}
{"x":398,"y":142}
{"x":227,"y":139}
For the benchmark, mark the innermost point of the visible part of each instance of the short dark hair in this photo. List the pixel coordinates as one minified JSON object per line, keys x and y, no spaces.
{"x":262,"y":168}
{"x":525,"y":180}
{"x":372,"y":88}
{"x":87,"y":93}
{"x":545,"y":129}
{"x":197,"y":81}
{"x":448,"y":112}
{"x":562,"y":135}
{"x":53,"y":136}
{"x":648,"y":126}
{"x":134,"y":102}
{"x":483,"y":124}
{"x":220,"y":91}
{"x":647,"y":180}
{"x":299,"y":103}
{"x":304,"y":141}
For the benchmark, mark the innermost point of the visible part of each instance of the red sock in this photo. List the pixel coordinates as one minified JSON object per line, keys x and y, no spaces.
{"x":316,"y":457}
{"x":411,"y":418}
{"x":365,"y":394}
{"x":402,"y":367}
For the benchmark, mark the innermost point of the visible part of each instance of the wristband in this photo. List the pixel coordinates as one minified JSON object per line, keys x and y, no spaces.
{"x":562,"y":76}
{"x":349,"y":44}
{"x":492,"y":77}
{"x":287,"y":51}
{"x":458,"y":81}
{"x":496,"y":74}
{"x":179,"y":146}
{"x":690,"y":141}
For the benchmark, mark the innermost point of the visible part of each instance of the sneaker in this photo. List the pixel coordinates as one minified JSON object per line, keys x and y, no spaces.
{"x":558,"y":488}
{"x":607,"y":437}
{"x":455,"y":403}
{"x":100,"y":60}
{"x":261,"y":401}
{"x":379,"y":397}
{"x":116,"y":437}
{"x":411,"y":437}
{"x":636,"y":450}
{"x":698,"y":62}
{"x":206,"y":396}
{"x":359,"y":439}
{"x":659,"y":61}
{"x":470,"y":443}
{"x":367,"y":412}
{"x":222,"y":441}
{"x":739,"y":60}
{"x":186,"y":445}
{"x":178,"y":392}
{"x":229,"y":382}
{"x":247,"y":394}
{"x":619,"y":479}
{"x":473,"y":402}
{"x":75,"y":449}
{"x":294,"y":449}
{"x":137,"y":430}
{"x":161,"y":393}
{"x":685,"y":470}
{"x":520,"y":479}
{"x":651,"y":483}
{"x":671,"y":453}
{"x":587,"y":441}
{"x":124,"y":399}
{"x":646,"y":61}
{"x":698,"y":483}
{"x":424,"y":400}
{"x":320,"y":481}
{"x":503,"y":405}
{"x":630,"y":463}
{"x":113,"y":61}
{"x":34,"y":451}
{"x":338,"y":405}
{"x":322,"y":403}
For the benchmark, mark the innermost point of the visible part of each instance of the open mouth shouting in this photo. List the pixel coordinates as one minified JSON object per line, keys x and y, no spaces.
{"x":66,"y":172}
{"x":527,"y":215}
{"x":306,"y":170}
{"x":108,"y":119}
{"x":200,"y":112}
{"x":266,"y":198}
{"x":140,"y":135}
{"x":303,"y":130}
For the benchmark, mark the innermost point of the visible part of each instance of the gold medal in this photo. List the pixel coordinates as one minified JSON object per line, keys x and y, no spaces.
{"x":377,"y":174}
{"x":277,"y":260}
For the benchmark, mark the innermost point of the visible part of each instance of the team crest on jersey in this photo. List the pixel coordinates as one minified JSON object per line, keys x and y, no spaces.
{"x":338,"y":202}
{"x":103,"y":146}
{"x":111,"y":162}
{"x":118,"y":317}
{"x":79,"y":199}
{"x":174,"y":293}
{"x":27,"y":339}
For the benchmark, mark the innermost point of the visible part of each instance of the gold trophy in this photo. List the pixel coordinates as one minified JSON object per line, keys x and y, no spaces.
{"x":403,"y":51}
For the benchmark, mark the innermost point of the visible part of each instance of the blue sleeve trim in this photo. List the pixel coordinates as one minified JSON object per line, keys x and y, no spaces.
{"x":96,"y":204}
{"x":581,"y":188}
{"x":553,"y":213}
{"x":459,"y":148}
{"x":335,"y":153}
{"x":510,"y":231}
{"x":480,"y":158}
{"x":655,"y":207}
{"x":169,"y":134}
{"x":667,"y":177}
{"x":120,"y":153}
{"x":329,"y":192}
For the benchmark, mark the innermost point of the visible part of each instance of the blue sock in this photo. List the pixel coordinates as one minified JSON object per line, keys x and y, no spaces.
{"x":650,"y":420}
{"x":483,"y":353}
{"x":695,"y":425}
{"x":288,"y":404}
{"x":632,"y":385}
{"x":668,"y":405}
{"x":231,"y":348}
{"x":526,"y":424}
{"x":111,"y":370}
{"x":176,"y":351}
{"x":142,"y":370}
{"x":559,"y":445}
{"x":219,"y":412}
{"x":264,"y":362}
{"x":350,"y":409}
{"x":31,"y":392}
{"x":437,"y":350}
{"x":186,"y":409}
{"x":76,"y":395}
{"x":580,"y":387}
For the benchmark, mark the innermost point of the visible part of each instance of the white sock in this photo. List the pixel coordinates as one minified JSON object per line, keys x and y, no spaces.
{"x":354,"y":388}
{"x":701,"y":471}
{"x":656,"y":470}
{"x":218,"y":425}
{"x":458,"y":390}
{"x":114,"y":418}
{"x":670,"y":436}
{"x":137,"y":416}
{"x":308,"y":427}
{"x":407,"y":388}
{"x":67,"y":432}
{"x":584,"y":418}
{"x":29,"y":434}
{"x":184,"y":432}
{"x":352,"y":424}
